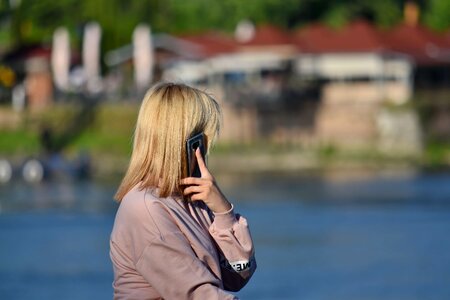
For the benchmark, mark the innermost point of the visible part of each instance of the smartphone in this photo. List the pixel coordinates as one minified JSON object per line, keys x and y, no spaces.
{"x":197,"y":141}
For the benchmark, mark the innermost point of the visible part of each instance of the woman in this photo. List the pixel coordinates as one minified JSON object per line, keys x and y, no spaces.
{"x":176,"y":237}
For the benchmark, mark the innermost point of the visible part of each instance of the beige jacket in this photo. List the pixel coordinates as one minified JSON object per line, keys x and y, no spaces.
{"x":169,"y":249}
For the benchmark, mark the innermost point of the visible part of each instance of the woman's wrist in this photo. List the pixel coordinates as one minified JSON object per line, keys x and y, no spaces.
{"x":224,"y":220}
{"x":221,"y":207}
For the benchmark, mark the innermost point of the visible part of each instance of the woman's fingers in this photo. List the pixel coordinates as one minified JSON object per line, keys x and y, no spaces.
{"x":196,"y":192}
{"x":205,"y":189}
{"x":201,"y":164}
{"x":199,"y":188}
{"x":198,"y":197}
{"x":193,"y":189}
{"x":192,"y":180}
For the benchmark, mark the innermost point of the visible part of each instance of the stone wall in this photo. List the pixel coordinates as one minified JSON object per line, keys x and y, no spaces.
{"x":9,"y":119}
{"x":353,"y":115}
{"x":399,"y":131}
{"x":350,"y":116}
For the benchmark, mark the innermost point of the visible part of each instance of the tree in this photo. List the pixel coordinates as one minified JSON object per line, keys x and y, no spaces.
{"x":437,"y":15}
{"x":34,"y":21}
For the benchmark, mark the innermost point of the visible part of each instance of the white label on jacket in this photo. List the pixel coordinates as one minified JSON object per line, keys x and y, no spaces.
{"x":239,"y":266}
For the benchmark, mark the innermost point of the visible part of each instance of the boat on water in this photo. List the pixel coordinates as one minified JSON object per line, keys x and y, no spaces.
{"x":48,"y":167}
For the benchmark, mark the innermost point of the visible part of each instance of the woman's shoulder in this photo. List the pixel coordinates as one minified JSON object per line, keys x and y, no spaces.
{"x":141,"y":203}
{"x":134,"y":226}
{"x":144,"y":209}
{"x":134,"y":202}
{"x":136,"y":214}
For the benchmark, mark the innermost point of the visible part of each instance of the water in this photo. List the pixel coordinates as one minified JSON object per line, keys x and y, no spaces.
{"x":316,"y":237}
{"x":54,"y":240}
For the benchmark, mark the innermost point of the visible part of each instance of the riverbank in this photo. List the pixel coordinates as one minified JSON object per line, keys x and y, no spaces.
{"x":105,"y":133}
{"x":250,"y":160}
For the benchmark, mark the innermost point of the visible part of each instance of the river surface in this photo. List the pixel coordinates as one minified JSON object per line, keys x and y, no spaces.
{"x":329,"y":236}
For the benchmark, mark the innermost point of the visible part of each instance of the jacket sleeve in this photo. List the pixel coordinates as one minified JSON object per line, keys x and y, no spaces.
{"x":169,"y":264}
{"x":237,"y":255}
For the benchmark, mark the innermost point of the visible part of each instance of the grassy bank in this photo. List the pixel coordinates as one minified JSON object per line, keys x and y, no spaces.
{"x":104,"y":129}
{"x":105,"y":132}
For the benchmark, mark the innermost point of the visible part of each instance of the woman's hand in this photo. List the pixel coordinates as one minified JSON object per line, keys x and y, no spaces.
{"x":205,"y":188}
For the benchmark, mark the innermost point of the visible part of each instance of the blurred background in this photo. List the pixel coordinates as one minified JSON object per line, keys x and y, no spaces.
{"x":335,"y":143}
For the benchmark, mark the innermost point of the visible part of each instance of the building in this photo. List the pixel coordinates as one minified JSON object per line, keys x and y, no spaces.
{"x":315,"y":85}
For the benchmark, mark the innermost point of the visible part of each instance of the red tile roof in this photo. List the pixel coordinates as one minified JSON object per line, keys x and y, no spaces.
{"x":359,"y":36}
{"x":212,"y":43}
{"x":425,"y":46}
{"x":269,"y":35}
{"x":422,"y":45}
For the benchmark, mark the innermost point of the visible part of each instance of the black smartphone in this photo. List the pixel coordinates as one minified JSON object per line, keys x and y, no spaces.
{"x":197,"y":141}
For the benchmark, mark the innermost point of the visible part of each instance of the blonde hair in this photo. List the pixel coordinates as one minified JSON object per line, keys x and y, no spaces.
{"x":169,"y":115}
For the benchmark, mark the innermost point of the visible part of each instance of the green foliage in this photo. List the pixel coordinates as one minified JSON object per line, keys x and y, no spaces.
{"x":118,"y":119}
{"x":18,"y":142}
{"x":327,"y":151}
{"x":108,"y":132}
{"x":57,"y":118}
{"x":384,"y":13}
{"x":338,"y":16}
{"x":100,"y":144}
{"x":35,"y":21}
{"x":437,"y":154}
{"x":197,"y":15}
{"x":437,"y":15}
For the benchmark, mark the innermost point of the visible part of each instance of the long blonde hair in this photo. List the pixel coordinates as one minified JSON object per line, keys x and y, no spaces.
{"x":170,"y":113}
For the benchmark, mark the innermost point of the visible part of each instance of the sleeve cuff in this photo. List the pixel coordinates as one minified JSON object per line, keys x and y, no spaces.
{"x":225,"y":219}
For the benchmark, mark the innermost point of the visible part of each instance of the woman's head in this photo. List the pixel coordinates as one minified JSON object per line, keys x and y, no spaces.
{"x":170,"y":114}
